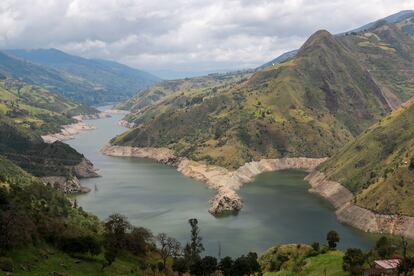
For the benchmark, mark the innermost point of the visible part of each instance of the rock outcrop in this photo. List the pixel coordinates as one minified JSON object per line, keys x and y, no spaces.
{"x":348,"y":212}
{"x":225,"y":182}
{"x":71,"y":184}
{"x":85,"y":169}
{"x":67,"y":185}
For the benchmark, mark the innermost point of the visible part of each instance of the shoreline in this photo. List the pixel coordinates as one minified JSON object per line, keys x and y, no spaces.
{"x":68,"y":132}
{"x":225,"y":182}
{"x":83,"y":169}
{"x":358,"y":217}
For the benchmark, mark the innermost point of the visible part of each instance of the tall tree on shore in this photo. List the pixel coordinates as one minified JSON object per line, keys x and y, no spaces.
{"x":333,"y":238}
{"x":196,"y":246}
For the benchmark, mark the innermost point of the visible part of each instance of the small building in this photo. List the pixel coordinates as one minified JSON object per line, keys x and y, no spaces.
{"x":384,"y":267}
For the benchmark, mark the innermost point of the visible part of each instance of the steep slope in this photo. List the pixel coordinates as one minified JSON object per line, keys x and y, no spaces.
{"x":378,"y":167}
{"x":397,"y":18}
{"x":26,"y":112}
{"x":308,"y":106}
{"x":197,"y":84}
{"x":387,"y":53}
{"x":37,"y":109}
{"x":91,"y":82}
{"x":394,"y":18}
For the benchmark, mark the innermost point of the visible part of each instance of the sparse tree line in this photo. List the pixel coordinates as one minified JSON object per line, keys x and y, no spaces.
{"x":34,"y":214}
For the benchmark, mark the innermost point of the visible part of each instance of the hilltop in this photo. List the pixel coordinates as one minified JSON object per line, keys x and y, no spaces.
{"x":328,"y":93}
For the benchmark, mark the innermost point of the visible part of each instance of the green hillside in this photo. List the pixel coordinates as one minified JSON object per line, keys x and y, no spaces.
{"x":308,"y":106}
{"x":26,"y":112}
{"x":197,"y":84}
{"x":378,"y":167}
{"x":83,"y":80}
{"x":37,"y":109}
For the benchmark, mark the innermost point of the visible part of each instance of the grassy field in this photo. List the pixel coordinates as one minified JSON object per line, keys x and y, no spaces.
{"x":46,"y":260}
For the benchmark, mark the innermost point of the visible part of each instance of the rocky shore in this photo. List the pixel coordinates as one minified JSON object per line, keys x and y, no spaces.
{"x":71,"y":184}
{"x":225,"y":182}
{"x":85,"y":169}
{"x":69,"y":131}
{"x":348,"y":212}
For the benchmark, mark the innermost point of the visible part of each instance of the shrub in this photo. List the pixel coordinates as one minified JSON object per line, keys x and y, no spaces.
{"x":353,"y":260}
{"x":6,"y":264}
{"x":333,"y":238}
{"x":411,"y":166}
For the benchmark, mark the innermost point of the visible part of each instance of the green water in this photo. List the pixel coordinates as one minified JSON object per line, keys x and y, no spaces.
{"x":278,"y":208}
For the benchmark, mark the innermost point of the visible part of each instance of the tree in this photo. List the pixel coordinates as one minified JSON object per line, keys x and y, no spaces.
{"x":180,"y":266}
{"x":196,"y":247}
{"x":140,"y":241}
{"x":407,"y":263}
{"x":246,"y":265}
{"x":169,"y":247}
{"x":116,"y":227}
{"x":384,"y":248}
{"x":316,"y":246}
{"x":353,"y":260}
{"x":80,"y":244}
{"x":333,"y":238}
{"x":226,"y":265}
{"x":209,"y":265}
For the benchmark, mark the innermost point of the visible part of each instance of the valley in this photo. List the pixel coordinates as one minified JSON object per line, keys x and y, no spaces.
{"x":301,"y":166}
{"x":158,"y":197}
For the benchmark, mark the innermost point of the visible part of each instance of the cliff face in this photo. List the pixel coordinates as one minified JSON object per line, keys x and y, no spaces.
{"x":347,"y":212}
{"x":225,"y":182}
{"x":71,"y":184}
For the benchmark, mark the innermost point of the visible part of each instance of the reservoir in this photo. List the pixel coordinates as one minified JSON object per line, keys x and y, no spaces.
{"x":278,"y":208}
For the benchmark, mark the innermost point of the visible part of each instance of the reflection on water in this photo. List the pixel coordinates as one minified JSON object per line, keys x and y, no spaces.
{"x":278,"y":208}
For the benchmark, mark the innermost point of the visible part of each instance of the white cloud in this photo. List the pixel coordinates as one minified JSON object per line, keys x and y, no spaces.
{"x":181,"y":34}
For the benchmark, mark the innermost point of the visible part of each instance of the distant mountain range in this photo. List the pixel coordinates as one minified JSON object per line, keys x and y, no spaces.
{"x":397,"y":17}
{"x":87,"y":81}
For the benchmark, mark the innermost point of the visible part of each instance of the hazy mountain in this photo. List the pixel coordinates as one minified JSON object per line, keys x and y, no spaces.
{"x":85,"y":80}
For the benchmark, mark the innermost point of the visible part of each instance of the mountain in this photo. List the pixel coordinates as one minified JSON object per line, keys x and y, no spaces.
{"x":37,"y":109}
{"x":165,"y":88}
{"x":309,"y":106}
{"x":85,"y":80}
{"x":378,"y":167}
{"x":26,"y":113}
{"x":394,"y":18}
{"x":282,"y":58}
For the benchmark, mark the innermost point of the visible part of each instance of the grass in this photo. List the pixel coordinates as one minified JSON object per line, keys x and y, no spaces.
{"x":329,"y":264}
{"x":375,"y":167}
{"x":44,"y":260}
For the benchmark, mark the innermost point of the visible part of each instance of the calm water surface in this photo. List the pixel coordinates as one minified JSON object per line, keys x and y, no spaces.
{"x":278,"y":208}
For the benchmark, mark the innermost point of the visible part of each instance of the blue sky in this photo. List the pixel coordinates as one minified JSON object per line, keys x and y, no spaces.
{"x":178,"y":38}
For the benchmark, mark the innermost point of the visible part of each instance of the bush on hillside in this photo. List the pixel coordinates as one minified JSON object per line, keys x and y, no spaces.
{"x":411,"y":166}
{"x":6,"y":264}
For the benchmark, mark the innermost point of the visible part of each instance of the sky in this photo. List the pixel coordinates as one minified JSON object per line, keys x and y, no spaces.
{"x":177,"y":38}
